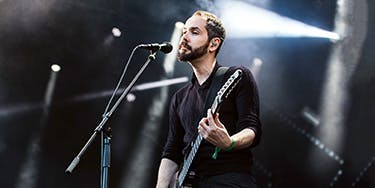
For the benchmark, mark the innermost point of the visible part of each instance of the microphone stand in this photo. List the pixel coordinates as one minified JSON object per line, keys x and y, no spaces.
{"x":105,"y":132}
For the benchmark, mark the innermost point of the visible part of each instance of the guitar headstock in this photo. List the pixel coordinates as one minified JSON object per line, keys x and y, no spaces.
{"x":226,"y":89}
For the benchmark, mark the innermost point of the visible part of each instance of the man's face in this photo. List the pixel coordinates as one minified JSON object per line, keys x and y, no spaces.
{"x":194,"y":41}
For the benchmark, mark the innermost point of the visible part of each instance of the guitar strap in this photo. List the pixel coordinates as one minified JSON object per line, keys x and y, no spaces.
{"x":215,"y":86}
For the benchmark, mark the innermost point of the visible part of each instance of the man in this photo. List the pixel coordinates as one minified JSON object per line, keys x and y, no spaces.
{"x":238,"y":128}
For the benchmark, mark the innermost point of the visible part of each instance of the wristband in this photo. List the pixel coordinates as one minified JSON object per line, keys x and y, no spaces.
{"x":217,"y":149}
{"x":231,"y":146}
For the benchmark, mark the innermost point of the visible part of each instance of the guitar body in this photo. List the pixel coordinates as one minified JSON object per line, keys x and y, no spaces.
{"x":186,"y":177}
{"x":191,"y":180}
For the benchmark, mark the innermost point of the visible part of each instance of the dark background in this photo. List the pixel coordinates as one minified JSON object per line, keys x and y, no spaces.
{"x":77,"y":35}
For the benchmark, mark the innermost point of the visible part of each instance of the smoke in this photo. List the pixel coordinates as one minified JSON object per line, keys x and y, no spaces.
{"x":165,"y":10}
{"x":143,"y":155}
{"x":24,"y":13}
{"x":208,"y":6}
{"x":342,"y":62}
{"x":214,"y":7}
{"x":259,"y":3}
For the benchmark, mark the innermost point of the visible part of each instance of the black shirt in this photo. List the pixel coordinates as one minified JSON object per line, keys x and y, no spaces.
{"x":240,"y":110}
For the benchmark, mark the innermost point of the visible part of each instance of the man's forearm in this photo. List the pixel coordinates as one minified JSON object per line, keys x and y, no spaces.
{"x":243,"y":138}
{"x":167,"y":170}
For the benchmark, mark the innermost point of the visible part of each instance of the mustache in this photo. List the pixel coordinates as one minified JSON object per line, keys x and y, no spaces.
{"x":184,"y":44}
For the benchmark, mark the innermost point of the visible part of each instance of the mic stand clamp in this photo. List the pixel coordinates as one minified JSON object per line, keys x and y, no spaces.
{"x":105,"y":132}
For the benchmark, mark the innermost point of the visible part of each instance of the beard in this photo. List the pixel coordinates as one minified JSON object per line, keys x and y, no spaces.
{"x":194,"y":54}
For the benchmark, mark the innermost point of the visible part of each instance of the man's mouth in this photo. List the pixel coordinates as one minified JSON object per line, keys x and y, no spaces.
{"x":185,"y":47}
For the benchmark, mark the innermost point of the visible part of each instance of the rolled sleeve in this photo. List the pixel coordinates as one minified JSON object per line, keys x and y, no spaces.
{"x":247,"y":103}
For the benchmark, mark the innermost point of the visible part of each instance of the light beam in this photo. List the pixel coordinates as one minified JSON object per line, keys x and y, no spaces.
{"x":243,"y":20}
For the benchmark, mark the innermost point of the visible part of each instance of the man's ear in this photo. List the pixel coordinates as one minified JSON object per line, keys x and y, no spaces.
{"x":214,"y":44}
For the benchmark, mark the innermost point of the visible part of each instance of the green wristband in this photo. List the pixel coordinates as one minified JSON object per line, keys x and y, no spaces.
{"x":217,"y":149}
{"x":231,"y":146}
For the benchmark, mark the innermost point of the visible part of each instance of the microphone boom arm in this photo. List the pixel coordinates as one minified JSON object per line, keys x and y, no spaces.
{"x":105,"y":137}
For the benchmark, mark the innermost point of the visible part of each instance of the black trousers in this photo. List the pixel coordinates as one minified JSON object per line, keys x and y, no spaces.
{"x":228,"y":180}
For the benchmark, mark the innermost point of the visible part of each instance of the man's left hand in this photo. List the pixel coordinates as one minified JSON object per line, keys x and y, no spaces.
{"x":214,"y":131}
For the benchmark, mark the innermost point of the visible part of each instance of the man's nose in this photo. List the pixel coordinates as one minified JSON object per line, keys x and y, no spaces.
{"x":185,"y":37}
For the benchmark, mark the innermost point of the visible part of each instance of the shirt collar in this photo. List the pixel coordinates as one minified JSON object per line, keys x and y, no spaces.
{"x":209,"y":79}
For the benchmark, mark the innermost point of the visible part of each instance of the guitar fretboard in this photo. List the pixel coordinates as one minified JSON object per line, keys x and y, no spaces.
{"x":189,"y":160}
{"x":226,"y":89}
{"x":194,"y":148}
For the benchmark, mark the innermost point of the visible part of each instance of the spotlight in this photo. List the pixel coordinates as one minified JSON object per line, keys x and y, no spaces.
{"x":116,"y":32}
{"x":310,"y":116}
{"x":255,"y":66}
{"x":130,"y":97}
{"x":179,"y":25}
{"x":257,"y":62}
{"x":248,"y":21}
{"x":55,"y":68}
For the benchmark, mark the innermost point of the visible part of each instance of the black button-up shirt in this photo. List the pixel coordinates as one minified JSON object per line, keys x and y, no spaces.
{"x":239,"y":111}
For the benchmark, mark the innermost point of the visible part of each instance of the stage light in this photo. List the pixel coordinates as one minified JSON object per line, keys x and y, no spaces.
{"x":161,"y":83}
{"x":116,"y":32}
{"x":170,"y":59}
{"x":179,"y":25}
{"x":151,"y":129}
{"x":55,"y":68}
{"x":335,"y":98}
{"x":255,"y":66}
{"x":257,"y":62}
{"x":130,"y":97}
{"x":29,"y":173}
{"x":310,"y":116}
{"x":12,"y":110}
{"x":246,"y":21}
{"x":140,"y":87}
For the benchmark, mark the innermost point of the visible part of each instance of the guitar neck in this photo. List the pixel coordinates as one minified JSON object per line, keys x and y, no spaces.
{"x":222,"y":94}
{"x":189,"y":160}
{"x":194,"y":150}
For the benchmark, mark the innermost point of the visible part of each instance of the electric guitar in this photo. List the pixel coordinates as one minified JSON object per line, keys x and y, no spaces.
{"x":222,"y":94}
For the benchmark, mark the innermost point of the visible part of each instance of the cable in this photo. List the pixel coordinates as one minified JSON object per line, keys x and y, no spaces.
{"x":119,"y":82}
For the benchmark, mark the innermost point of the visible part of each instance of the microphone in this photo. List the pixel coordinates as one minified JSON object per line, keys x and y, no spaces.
{"x":165,"y":47}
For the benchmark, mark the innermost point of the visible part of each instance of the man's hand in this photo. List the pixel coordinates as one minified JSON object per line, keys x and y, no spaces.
{"x":214,"y":131}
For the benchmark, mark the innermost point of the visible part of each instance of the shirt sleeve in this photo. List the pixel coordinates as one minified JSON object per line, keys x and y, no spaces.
{"x":247,"y":104}
{"x":174,"y":144}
